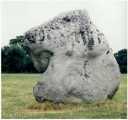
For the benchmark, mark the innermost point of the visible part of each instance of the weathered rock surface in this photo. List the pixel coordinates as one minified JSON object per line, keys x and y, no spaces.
{"x":80,"y":64}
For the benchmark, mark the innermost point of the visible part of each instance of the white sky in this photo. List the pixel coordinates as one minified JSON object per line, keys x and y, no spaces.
{"x":108,"y":15}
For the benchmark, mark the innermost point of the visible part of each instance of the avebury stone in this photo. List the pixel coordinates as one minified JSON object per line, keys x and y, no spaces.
{"x":79,"y":63}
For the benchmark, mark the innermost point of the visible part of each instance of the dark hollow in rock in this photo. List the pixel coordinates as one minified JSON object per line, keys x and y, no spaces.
{"x":83,"y":36}
{"x":67,"y":19}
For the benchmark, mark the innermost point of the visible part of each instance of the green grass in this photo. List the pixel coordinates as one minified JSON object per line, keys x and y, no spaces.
{"x":18,"y":101}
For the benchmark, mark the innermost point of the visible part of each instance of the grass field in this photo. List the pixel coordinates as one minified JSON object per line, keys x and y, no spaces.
{"x":18,"y":101}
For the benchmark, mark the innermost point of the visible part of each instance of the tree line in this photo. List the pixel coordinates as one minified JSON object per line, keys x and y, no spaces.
{"x":15,"y":58}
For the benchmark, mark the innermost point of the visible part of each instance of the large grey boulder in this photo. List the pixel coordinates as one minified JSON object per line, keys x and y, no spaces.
{"x":79,"y":63}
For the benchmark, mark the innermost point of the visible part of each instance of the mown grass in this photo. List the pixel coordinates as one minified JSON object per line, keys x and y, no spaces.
{"x":18,"y":101}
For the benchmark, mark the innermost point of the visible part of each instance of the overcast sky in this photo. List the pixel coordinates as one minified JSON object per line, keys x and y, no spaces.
{"x":108,"y":15}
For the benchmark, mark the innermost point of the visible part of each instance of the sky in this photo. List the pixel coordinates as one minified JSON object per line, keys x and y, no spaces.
{"x":108,"y":15}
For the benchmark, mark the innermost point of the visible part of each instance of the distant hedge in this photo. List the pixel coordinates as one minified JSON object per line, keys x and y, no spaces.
{"x":15,"y":58}
{"x":121,"y":57}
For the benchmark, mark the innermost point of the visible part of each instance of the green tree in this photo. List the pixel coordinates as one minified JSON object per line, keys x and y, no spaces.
{"x":121,"y":57}
{"x":4,"y":60}
{"x":18,"y":41}
{"x":15,"y":57}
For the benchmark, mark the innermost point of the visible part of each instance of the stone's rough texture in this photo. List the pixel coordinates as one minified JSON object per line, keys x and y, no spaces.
{"x":80,"y":64}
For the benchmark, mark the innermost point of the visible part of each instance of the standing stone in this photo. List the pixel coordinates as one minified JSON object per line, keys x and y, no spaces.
{"x":79,"y":63}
